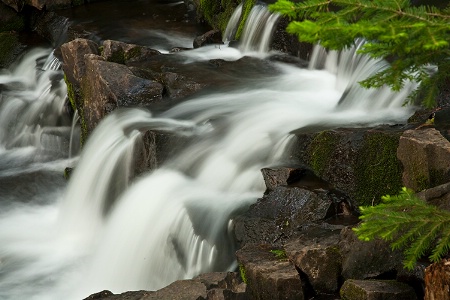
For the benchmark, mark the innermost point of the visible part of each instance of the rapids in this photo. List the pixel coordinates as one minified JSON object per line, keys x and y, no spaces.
{"x":108,"y":230}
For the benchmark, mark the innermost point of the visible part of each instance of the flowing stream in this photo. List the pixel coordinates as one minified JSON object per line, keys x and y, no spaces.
{"x":108,"y":230}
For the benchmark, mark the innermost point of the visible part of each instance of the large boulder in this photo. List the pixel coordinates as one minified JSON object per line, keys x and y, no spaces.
{"x":108,"y":86}
{"x":425,"y":155}
{"x":361,"y":162}
{"x":280,"y":213}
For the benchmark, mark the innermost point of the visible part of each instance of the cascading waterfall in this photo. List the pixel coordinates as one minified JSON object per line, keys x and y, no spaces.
{"x":109,"y":230}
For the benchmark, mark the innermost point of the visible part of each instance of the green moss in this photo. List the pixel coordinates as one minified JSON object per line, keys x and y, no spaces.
{"x":243,"y":273}
{"x":77,"y":106}
{"x":279,"y":253}
{"x":70,"y":93}
{"x":377,"y":169}
{"x":321,"y":150}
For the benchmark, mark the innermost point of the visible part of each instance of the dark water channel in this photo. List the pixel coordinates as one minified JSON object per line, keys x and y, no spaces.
{"x":158,"y":24}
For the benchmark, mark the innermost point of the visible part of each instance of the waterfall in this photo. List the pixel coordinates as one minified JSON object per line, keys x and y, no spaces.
{"x":258,"y":30}
{"x":110,"y":229}
{"x":33,"y":98}
{"x":232,"y":25}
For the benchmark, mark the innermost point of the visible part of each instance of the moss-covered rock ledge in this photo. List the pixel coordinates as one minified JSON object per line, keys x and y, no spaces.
{"x":369,"y":163}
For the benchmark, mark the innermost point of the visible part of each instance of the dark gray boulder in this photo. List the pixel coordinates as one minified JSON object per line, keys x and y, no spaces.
{"x":316,"y":254}
{"x":279,"y":214}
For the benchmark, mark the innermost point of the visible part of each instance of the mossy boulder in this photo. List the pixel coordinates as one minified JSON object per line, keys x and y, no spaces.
{"x":361,"y":162}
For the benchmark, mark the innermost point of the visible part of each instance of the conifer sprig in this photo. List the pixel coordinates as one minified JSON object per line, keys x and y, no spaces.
{"x":413,"y":38}
{"x":409,"y":224}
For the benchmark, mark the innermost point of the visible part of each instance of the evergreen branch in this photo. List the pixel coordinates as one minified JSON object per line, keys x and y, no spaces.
{"x":410,"y":224}
{"x":411,"y":37}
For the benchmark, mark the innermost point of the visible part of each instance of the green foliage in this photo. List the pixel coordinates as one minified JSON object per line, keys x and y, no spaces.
{"x":413,"y":38}
{"x":408,"y":223}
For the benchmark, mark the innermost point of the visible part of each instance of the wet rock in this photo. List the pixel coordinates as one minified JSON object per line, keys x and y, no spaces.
{"x":376,"y":290}
{"x":280,"y":213}
{"x":316,"y":253}
{"x":73,"y":53}
{"x":123,"y":53}
{"x":178,"y":86}
{"x":52,"y":27}
{"x":289,"y":43}
{"x":267,"y":276}
{"x":210,"y":37}
{"x":438,"y":196}
{"x":425,"y":155}
{"x":437,"y":281}
{"x":108,"y":86}
{"x":368,"y":260}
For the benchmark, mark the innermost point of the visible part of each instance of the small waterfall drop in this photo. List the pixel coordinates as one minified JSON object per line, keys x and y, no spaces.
{"x":232,"y":25}
{"x":34,"y":98}
{"x":112,"y":230}
{"x":258,"y":30}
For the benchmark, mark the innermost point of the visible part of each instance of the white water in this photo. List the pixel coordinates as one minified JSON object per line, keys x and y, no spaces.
{"x":108,"y":230}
